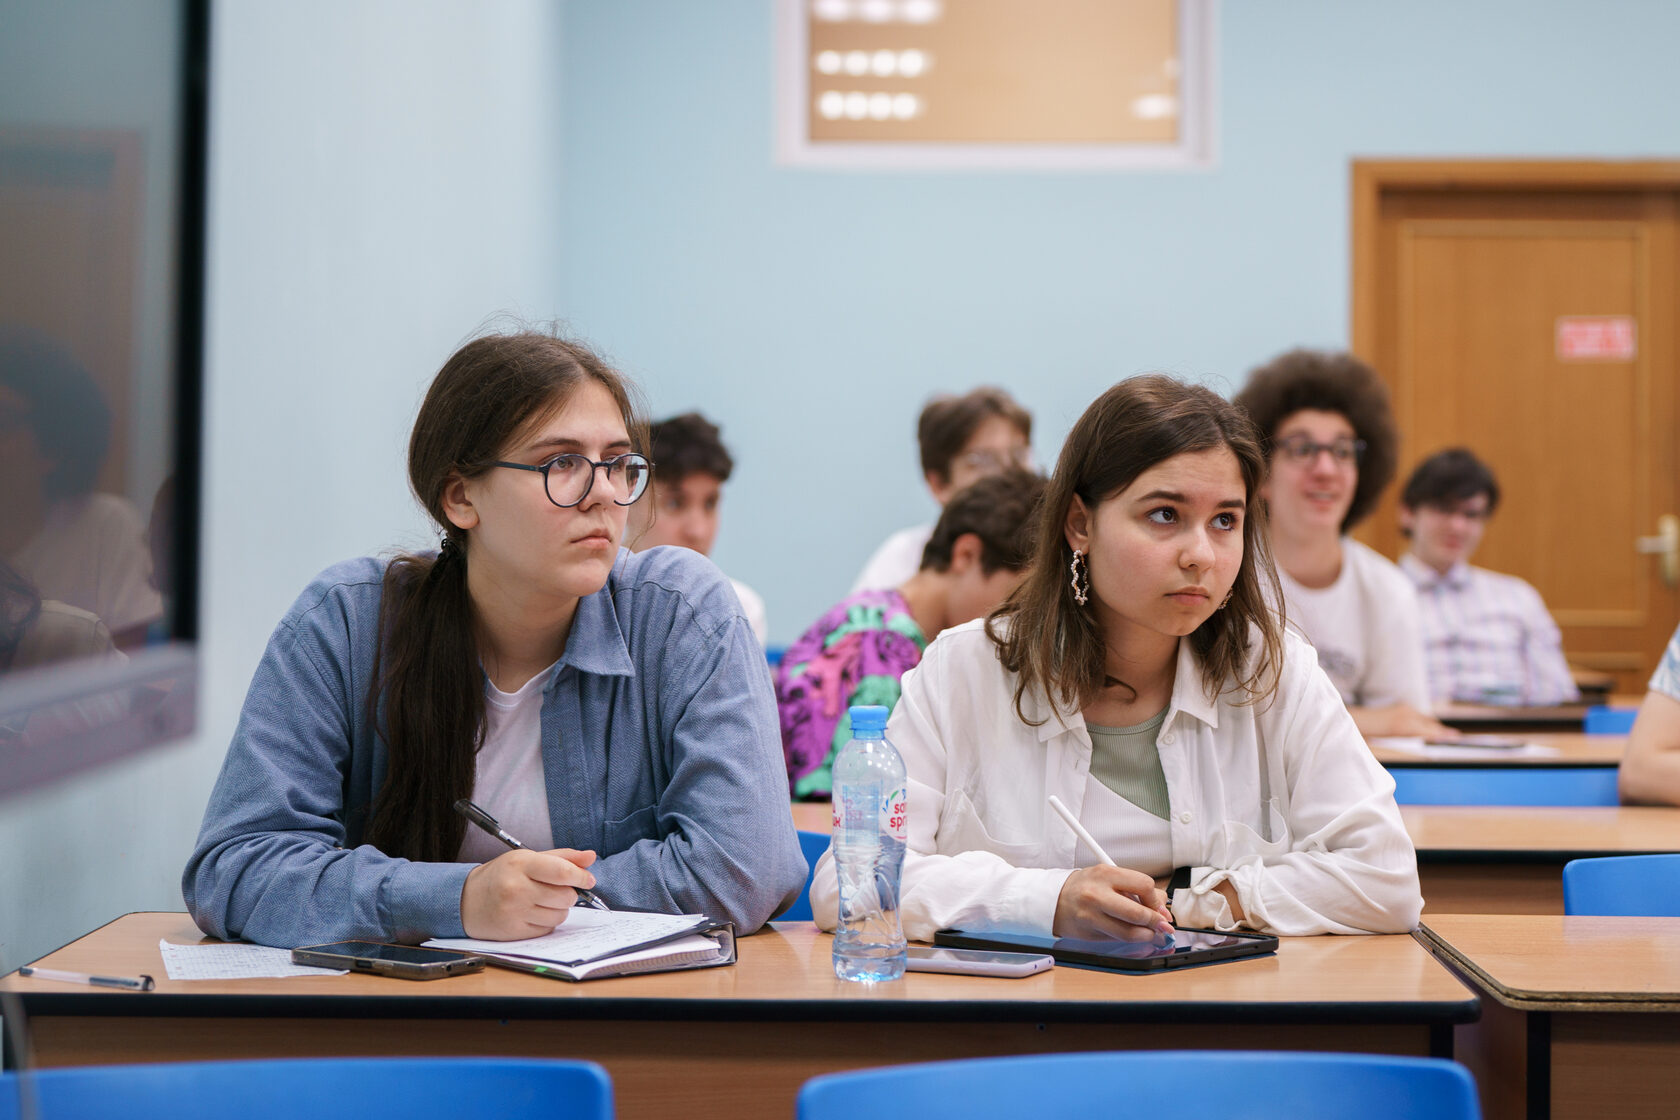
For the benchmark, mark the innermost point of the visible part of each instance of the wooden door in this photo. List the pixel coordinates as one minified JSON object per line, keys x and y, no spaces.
{"x":1528,"y":311}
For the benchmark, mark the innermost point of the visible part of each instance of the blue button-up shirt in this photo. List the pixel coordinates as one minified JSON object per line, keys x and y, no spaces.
{"x":660,"y":750}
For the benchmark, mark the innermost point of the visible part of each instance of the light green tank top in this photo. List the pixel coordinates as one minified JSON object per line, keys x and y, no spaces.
{"x":1125,"y":760}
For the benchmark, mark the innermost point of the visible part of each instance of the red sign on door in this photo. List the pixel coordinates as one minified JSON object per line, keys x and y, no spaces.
{"x":1596,"y":338}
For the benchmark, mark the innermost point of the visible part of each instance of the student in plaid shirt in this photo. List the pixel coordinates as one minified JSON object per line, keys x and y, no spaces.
{"x":1487,"y":637}
{"x":1651,"y":769}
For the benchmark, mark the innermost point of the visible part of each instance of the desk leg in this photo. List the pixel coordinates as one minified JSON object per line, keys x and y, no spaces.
{"x":1495,"y":1049}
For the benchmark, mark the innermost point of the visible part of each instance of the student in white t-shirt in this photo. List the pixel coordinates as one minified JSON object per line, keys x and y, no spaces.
{"x":690,"y":466}
{"x":1331,"y":448}
{"x":1139,"y":674}
{"x":962,"y":440}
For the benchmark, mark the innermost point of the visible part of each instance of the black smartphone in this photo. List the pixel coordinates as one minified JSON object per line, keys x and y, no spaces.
{"x":408,"y":962}
{"x":1182,"y":948}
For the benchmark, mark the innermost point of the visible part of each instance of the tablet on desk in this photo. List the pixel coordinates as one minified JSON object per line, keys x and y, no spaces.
{"x":1180,"y":949}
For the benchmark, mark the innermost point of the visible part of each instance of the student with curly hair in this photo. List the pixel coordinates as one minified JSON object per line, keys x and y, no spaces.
{"x":1139,"y":674}
{"x":1330,"y":445}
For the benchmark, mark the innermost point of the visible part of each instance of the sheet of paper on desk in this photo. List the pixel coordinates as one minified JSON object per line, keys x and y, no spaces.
{"x":233,"y":961}
{"x":1467,"y":751}
{"x":586,"y":935}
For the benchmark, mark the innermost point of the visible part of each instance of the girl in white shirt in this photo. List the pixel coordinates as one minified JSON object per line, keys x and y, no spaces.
{"x":1140,"y":676}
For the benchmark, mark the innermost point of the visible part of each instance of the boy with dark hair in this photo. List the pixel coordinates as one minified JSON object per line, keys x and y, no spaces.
{"x":1487,"y":637}
{"x":1330,"y":442}
{"x":855,"y":654}
{"x":961,"y":440}
{"x":690,"y":466}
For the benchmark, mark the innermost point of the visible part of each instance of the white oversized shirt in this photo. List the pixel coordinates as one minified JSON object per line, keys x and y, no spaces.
{"x":1283,"y":800}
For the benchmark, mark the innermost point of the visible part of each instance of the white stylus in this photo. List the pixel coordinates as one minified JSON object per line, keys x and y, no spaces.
{"x":1090,"y":841}
{"x":1079,"y":830}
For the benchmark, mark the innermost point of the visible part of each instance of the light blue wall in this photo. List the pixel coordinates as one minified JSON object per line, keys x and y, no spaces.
{"x":811,"y":312}
{"x":384,"y":177}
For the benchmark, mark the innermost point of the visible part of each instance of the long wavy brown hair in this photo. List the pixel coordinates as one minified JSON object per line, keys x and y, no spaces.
{"x":426,"y":670}
{"x":1056,"y":646}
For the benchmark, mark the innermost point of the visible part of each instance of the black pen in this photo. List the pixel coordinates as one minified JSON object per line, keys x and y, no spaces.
{"x":141,"y":983}
{"x":479,"y":817}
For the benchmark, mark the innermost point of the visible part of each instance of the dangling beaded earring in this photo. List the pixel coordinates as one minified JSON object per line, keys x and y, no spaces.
{"x":1080,"y":573}
{"x":1225,"y":602}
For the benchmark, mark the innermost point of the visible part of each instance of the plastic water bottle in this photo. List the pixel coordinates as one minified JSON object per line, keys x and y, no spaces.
{"x":869,"y":827}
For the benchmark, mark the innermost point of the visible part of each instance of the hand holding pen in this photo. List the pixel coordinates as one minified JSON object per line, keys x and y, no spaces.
{"x":524,"y":893}
{"x":1108,"y":900}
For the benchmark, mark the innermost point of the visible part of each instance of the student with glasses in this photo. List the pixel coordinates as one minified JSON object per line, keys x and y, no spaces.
{"x":962,"y":440}
{"x":1487,"y":636}
{"x":1331,"y":447}
{"x":610,"y":709}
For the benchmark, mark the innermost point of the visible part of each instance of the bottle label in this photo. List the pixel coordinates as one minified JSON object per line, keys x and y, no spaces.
{"x":892,"y":819}
{"x":893,"y":816}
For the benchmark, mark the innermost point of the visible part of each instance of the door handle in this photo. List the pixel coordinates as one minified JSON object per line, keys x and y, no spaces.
{"x":1666,"y":546}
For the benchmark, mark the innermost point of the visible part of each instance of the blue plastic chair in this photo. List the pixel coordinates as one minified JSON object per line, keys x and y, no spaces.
{"x":1511,"y":785}
{"x":1623,"y":886}
{"x":1258,"y":1086}
{"x":1601,"y":719}
{"x":316,"y":1089}
{"x":812,"y":845}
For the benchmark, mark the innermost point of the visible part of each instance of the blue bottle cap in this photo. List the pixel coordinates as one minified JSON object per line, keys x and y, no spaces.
{"x":868,"y":717}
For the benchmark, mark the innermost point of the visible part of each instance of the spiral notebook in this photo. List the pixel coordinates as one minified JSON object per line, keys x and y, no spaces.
{"x":592,"y":944}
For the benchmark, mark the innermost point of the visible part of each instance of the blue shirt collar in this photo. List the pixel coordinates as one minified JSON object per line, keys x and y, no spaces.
{"x":596,"y":643}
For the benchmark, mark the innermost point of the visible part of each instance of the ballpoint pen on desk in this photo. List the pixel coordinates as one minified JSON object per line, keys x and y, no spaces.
{"x":479,"y":817}
{"x":141,"y":983}
{"x":1089,"y":841}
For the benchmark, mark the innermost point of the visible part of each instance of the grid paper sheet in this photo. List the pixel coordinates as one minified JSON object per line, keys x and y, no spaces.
{"x":234,"y":962}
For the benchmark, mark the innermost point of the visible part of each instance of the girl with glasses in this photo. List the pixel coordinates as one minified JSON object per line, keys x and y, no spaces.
{"x":1141,"y":676}
{"x":1331,"y":445}
{"x":610,"y":709}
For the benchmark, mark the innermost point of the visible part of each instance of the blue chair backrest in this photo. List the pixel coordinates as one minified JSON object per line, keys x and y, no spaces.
{"x":1601,"y":719}
{"x":1253,"y":1086}
{"x":315,"y":1089}
{"x":812,"y":845}
{"x":1505,"y":785}
{"x":1623,"y":886}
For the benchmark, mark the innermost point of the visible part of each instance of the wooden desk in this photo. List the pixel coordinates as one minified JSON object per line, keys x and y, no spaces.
{"x":1509,"y":859}
{"x":1475,"y":859}
{"x":1584,"y":1018}
{"x":813,"y":816}
{"x":1574,"y":750}
{"x":738,"y":1042}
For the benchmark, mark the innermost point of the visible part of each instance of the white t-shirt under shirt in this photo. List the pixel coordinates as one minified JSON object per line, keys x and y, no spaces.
{"x":898,"y":558}
{"x":752,"y":605}
{"x":508,"y":779}
{"x":1365,"y":628}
